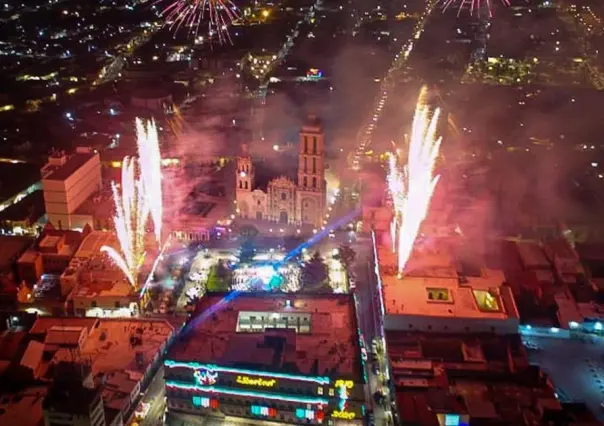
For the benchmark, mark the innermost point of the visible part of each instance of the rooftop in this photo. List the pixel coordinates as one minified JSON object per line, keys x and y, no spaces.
{"x":121,"y":345}
{"x":23,"y":408}
{"x":432,"y":286}
{"x":68,"y":167}
{"x":319,"y":332}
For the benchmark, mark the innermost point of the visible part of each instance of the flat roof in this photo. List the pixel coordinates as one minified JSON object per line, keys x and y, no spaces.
{"x":16,"y":177}
{"x":430,"y":286}
{"x":44,"y":324}
{"x":109,"y":346}
{"x":73,"y":163}
{"x":328,"y":346}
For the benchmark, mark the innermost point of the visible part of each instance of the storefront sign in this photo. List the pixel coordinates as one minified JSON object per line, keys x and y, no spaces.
{"x":260,"y":382}
{"x":345,"y":415}
{"x":205,"y":377}
{"x":348,"y":384}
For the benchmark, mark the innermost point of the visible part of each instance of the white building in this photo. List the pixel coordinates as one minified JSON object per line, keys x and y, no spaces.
{"x":68,"y":181}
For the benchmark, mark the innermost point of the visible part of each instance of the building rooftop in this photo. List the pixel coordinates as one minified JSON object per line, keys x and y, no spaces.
{"x":432,"y":286}
{"x":299,"y":334}
{"x":43,"y":324}
{"x":68,"y":167}
{"x":121,"y":345}
{"x":16,"y":177}
{"x":23,"y":408}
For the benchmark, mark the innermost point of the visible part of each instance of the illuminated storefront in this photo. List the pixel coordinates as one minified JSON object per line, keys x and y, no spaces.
{"x":196,"y":388}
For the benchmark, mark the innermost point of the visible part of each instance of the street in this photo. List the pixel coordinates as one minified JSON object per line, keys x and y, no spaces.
{"x":155,"y":397}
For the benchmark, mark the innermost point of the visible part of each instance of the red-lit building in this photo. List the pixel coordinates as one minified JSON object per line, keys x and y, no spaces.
{"x":287,"y":358}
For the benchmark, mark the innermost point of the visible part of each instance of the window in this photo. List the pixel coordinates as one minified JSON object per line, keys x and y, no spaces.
{"x":305,"y":180}
{"x":117,"y":305}
{"x":305,"y":164}
{"x":245,"y":185}
{"x":305,"y":144}
{"x":93,"y":304}
{"x":331,"y":392}
{"x":314,"y":182}
{"x":486,"y":301}
{"x":320,"y":390}
{"x":240,"y":185}
{"x":439,"y":295}
{"x":283,"y":196}
{"x":259,"y":202}
{"x":314,"y":144}
{"x":314,"y":165}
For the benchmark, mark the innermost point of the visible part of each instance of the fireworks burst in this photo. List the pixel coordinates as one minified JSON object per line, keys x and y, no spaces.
{"x":412,"y":186}
{"x":191,"y":13}
{"x":131,"y":214}
{"x":472,"y":6}
{"x":149,"y":159}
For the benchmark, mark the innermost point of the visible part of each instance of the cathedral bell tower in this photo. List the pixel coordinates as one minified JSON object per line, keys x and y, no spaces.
{"x":245,"y":171}
{"x":311,"y":173}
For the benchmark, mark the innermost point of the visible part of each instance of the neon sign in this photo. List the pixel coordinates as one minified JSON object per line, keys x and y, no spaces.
{"x":346,"y":415}
{"x":314,"y":73}
{"x":205,"y":377}
{"x":200,"y":401}
{"x":247,"y":393}
{"x":348,"y":384}
{"x":342,"y":397}
{"x":216,"y":368}
{"x":264,"y":383}
{"x":258,"y":410}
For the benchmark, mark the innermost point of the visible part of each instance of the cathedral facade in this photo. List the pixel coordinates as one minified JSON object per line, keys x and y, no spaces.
{"x":288,"y":199}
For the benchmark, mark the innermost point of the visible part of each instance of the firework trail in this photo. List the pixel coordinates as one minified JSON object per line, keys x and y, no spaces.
{"x":472,"y":5}
{"x":149,"y":159}
{"x":131,"y":214}
{"x":191,"y":13}
{"x":412,"y":186}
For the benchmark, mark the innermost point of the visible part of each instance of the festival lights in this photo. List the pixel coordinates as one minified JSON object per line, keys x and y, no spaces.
{"x":220,"y":369}
{"x":412,"y":186}
{"x":247,"y":393}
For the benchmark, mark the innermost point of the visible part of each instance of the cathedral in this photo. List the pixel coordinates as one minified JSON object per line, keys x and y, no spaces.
{"x":287,"y":198}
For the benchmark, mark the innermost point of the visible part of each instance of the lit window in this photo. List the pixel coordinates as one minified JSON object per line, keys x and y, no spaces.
{"x":486,"y":301}
{"x":439,"y":295}
{"x":320,"y":390}
{"x":331,"y":392}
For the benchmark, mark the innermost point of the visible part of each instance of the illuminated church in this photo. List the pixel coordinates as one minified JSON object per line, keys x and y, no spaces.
{"x":289,"y":197}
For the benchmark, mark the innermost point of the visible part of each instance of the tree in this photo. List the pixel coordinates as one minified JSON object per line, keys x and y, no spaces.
{"x":247,"y":251}
{"x":314,"y":273}
{"x":248,"y":231}
{"x":346,"y":255}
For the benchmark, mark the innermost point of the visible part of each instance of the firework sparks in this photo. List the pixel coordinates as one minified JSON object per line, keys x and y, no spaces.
{"x":472,"y":5}
{"x":191,"y":13}
{"x":412,"y":186}
{"x":149,"y":159}
{"x":131,"y":214}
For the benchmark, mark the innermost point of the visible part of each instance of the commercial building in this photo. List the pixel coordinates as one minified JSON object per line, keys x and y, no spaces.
{"x":439,"y":293}
{"x":290,"y":359}
{"x":68,"y":180}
